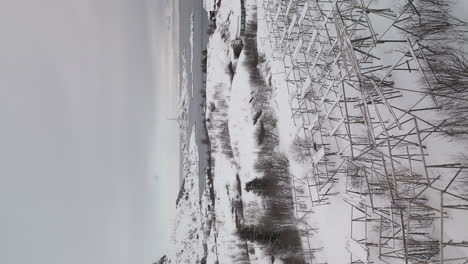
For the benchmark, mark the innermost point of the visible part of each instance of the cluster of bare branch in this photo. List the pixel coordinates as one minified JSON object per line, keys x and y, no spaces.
{"x":218,"y":122}
{"x":432,"y":20}
{"x":441,"y":36}
{"x":276,"y":228}
{"x":450,"y":81}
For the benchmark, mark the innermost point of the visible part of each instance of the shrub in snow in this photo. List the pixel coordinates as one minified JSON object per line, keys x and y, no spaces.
{"x":163,"y":260}
{"x":260,"y":134}
{"x":433,"y":21}
{"x":260,"y":234}
{"x":257,"y":116}
{"x":302,"y":150}
{"x":266,"y":133}
{"x":224,"y":137}
{"x":275,"y":165}
{"x":450,"y":82}
{"x":219,"y":125}
{"x":211,"y":28}
{"x":224,"y":32}
{"x":250,"y":46}
{"x":294,"y":260}
{"x":181,"y":192}
{"x":440,"y":34}
{"x":274,"y":226}
{"x":204,"y":62}
{"x":278,"y":240}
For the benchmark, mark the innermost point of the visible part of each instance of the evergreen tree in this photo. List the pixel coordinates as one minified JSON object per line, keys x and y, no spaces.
{"x":259,"y":186}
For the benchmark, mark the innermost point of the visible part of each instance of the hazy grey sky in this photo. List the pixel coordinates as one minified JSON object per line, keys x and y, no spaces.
{"x":81,"y":131}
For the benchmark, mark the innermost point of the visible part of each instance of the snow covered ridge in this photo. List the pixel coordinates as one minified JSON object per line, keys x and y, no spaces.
{"x":183,"y":97}
{"x":371,"y":97}
{"x":188,"y":236}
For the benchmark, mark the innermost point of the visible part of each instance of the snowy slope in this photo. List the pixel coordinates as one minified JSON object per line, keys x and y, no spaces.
{"x":331,"y":220}
{"x":207,"y":229}
{"x":188,"y":235}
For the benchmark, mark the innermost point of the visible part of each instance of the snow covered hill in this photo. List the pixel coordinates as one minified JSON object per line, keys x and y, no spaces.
{"x":326,"y":144}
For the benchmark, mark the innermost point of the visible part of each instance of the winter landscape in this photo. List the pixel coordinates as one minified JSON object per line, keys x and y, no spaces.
{"x":323,"y":131}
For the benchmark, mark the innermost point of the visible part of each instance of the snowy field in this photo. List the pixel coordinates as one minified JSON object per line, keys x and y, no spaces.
{"x":332,"y":137}
{"x":292,"y":38}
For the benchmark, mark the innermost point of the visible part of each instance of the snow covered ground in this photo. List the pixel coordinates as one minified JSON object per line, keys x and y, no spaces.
{"x":332,"y":231}
{"x":192,"y":237}
{"x":188,"y":241}
{"x":224,"y":206}
{"x":244,"y":93}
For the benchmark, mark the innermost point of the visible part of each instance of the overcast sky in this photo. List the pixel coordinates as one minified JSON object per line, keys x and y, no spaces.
{"x":88,"y":164}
